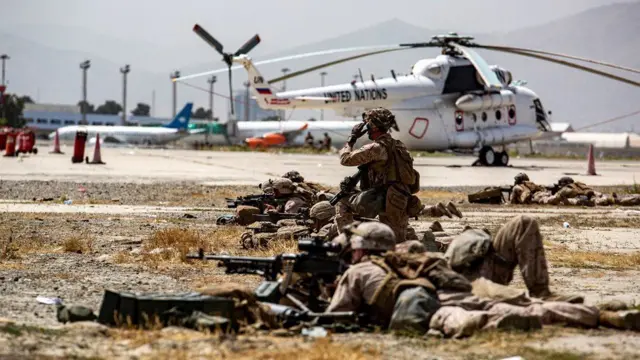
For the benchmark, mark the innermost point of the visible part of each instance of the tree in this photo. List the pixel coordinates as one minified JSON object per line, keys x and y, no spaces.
{"x":141,"y":109}
{"x":201,"y":113}
{"x":11,"y":108}
{"x":110,"y":107}
{"x":312,"y":119}
{"x":87,"y":107}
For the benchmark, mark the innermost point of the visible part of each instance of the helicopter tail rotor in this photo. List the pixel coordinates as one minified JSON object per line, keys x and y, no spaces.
{"x":227,"y":57}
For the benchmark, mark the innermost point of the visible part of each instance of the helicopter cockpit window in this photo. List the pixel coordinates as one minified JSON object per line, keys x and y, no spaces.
{"x":462,"y":79}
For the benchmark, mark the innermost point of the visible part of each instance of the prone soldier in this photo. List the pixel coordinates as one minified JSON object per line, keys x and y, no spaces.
{"x":284,"y":189}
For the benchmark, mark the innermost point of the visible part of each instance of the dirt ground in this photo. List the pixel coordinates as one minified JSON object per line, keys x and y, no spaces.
{"x":77,"y":255}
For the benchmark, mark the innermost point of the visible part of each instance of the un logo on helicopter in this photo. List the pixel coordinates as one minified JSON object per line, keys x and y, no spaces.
{"x":258,"y":80}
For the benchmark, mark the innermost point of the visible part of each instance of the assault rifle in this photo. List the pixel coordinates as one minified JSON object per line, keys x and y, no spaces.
{"x":318,"y":264}
{"x":258,"y":200}
{"x":350,"y":184}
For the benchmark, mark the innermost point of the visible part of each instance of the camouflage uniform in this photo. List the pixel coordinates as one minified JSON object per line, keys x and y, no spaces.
{"x":517,"y":243}
{"x":578,"y":193}
{"x":527,"y":192}
{"x":323,"y":214}
{"x":296,"y":197}
{"x":381,"y":196}
{"x":298,"y":180}
{"x":359,"y":283}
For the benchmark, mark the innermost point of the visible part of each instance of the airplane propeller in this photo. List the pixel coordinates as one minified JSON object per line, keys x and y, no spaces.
{"x":227,"y":57}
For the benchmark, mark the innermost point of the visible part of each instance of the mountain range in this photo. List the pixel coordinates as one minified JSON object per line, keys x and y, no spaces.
{"x":50,"y":72}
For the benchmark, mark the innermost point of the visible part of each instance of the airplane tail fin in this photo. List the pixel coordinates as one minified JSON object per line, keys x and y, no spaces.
{"x":181,"y":121}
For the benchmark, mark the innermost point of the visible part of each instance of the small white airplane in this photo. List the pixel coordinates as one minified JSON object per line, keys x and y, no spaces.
{"x":135,"y":135}
{"x":455,"y":101}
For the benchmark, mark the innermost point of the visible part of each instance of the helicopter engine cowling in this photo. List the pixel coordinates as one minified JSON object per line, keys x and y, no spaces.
{"x":476,"y":102}
{"x":504,"y":75}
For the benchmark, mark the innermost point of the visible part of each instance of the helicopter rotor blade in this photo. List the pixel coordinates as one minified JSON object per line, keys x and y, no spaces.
{"x":208,"y":38}
{"x":490,"y":77}
{"x":290,"y":57}
{"x":597,"y":62}
{"x":248,"y":46}
{"x":334,"y":62}
{"x":561,"y":62}
{"x":231,"y":90}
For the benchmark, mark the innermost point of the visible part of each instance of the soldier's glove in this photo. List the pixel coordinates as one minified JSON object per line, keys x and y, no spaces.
{"x":344,"y":184}
{"x":356,"y":133}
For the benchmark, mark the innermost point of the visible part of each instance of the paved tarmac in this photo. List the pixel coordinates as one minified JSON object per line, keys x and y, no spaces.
{"x":250,"y":168}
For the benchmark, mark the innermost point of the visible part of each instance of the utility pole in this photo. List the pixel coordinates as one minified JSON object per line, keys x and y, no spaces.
{"x":124,"y":70}
{"x":246,"y":101}
{"x":174,"y":75}
{"x":85,"y":65}
{"x":212,"y":80}
{"x":153,"y":103}
{"x":322,"y":75}
{"x":4,"y":58}
{"x":283,"y":112}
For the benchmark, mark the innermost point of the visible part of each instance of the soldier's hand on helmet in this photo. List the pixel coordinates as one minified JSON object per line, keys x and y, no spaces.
{"x":356,"y":133}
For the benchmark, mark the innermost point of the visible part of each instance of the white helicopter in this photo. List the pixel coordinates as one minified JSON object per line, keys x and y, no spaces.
{"x":455,"y":101}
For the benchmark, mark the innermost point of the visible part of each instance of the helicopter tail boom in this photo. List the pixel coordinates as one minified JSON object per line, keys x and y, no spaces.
{"x":268,"y":98}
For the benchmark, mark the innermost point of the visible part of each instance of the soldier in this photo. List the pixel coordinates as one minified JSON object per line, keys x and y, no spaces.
{"x":443,"y":300}
{"x":475,"y":254}
{"x":308,"y":140}
{"x":293,"y":197}
{"x":298,"y":180}
{"x":326,"y":142}
{"x":359,"y":283}
{"x":322,"y":214}
{"x":523,"y":189}
{"x":390,"y":179}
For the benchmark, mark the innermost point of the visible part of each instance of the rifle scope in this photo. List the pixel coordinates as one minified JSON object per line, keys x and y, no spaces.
{"x":317,"y":245}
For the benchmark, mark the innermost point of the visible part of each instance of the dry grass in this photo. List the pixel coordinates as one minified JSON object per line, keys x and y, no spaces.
{"x":78,"y":244}
{"x":430,"y":197}
{"x":561,"y":255}
{"x":14,"y":247}
{"x":494,"y":344}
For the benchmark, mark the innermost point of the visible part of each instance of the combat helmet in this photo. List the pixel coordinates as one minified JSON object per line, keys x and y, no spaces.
{"x":294,"y":176}
{"x":381,"y":118}
{"x":520,"y":178}
{"x":565,"y":180}
{"x":278,"y":186}
{"x":322,"y":210}
{"x":371,"y":235}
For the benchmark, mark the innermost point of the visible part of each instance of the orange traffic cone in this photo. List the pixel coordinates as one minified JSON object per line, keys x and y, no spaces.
{"x":591,"y":165}
{"x":56,"y":145}
{"x":96,"y":153}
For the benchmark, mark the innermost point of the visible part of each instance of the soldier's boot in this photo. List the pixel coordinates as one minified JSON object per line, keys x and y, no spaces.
{"x":472,"y":324}
{"x":554,"y":296}
{"x":441,"y":210}
{"x":436,"y":227}
{"x":625,"y":320}
{"x":613,"y":305}
{"x":519,"y":322}
{"x":453,"y":209}
{"x":429,"y":242}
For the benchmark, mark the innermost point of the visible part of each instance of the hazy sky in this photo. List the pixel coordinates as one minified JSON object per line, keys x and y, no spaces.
{"x":288,"y":22}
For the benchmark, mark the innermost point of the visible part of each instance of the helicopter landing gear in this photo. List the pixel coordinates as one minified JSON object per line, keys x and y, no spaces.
{"x":489,"y":157}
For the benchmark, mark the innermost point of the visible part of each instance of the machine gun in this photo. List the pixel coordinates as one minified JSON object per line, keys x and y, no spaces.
{"x":290,"y":316}
{"x":258,"y":200}
{"x":274,"y":217}
{"x":351,"y":182}
{"x":317,"y":265}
